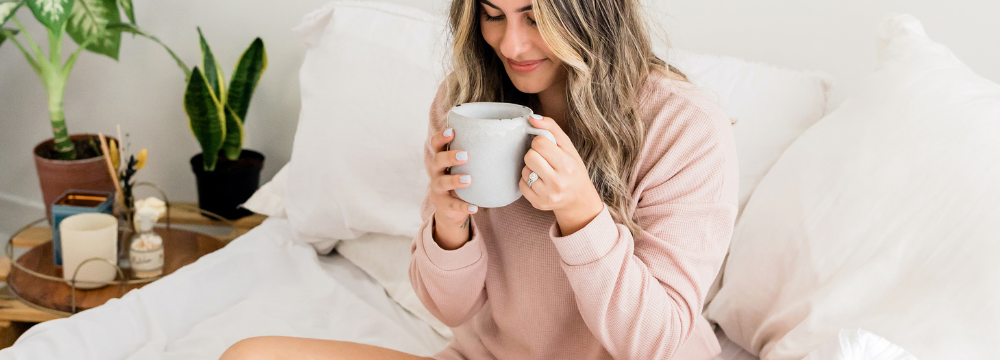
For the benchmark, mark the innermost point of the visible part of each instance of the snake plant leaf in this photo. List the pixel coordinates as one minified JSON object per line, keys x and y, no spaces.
{"x":213,"y":72}
{"x":206,"y":116}
{"x":233,"y":145}
{"x":5,"y":33}
{"x":126,"y":6}
{"x":51,"y":13}
{"x":91,"y":18}
{"x":7,"y":10}
{"x":245,"y":78}
{"x":131,"y":28}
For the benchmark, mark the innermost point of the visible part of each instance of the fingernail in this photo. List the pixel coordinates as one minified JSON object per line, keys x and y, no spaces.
{"x":473,"y":208}
{"x":465,"y":179}
{"x":462,"y":155}
{"x":536,"y":116}
{"x":447,"y":132}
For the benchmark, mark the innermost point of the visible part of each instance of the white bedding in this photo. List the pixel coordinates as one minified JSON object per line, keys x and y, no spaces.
{"x":264,"y":283}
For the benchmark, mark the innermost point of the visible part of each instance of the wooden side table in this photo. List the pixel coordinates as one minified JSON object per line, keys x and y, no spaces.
{"x":181,"y":213}
{"x":187,"y":214}
{"x":16,"y":316}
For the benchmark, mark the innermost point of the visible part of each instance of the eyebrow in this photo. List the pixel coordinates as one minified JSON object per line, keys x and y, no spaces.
{"x":486,"y":2}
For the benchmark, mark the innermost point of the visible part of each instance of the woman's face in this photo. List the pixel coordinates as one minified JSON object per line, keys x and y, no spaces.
{"x":509,"y":27}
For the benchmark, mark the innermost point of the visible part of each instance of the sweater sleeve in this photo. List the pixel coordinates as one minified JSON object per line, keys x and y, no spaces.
{"x":450,"y":283}
{"x":641,"y":295}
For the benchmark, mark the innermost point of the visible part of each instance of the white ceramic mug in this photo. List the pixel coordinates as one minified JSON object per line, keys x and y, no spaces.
{"x":496,"y":137}
{"x":86,"y":236}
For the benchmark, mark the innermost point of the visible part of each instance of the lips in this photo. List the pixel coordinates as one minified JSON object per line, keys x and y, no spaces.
{"x":524,"y":66}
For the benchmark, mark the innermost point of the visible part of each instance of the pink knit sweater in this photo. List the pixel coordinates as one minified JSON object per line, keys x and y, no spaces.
{"x":520,"y":290}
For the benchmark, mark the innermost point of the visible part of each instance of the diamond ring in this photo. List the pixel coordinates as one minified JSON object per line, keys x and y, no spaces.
{"x":531,"y":178}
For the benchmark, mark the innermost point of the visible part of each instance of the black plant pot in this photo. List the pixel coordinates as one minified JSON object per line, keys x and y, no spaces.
{"x":233,"y":182}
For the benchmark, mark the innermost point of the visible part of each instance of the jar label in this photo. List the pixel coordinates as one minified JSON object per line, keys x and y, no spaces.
{"x":146,"y":261}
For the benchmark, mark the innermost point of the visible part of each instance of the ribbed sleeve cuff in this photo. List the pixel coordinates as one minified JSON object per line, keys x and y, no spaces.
{"x":589,"y":244}
{"x":449,"y":260}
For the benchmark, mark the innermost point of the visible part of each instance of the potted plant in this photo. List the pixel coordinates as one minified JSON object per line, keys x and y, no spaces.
{"x":227,"y":175}
{"x":67,"y":161}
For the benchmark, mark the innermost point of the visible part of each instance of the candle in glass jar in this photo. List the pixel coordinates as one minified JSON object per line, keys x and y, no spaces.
{"x":86,"y":236}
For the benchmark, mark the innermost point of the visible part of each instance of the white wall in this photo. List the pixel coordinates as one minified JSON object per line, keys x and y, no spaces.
{"x":143,"y":91}
{"x":836,"y":36}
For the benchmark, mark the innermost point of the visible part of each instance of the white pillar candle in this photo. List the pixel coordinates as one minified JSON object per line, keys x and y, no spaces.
{"x":85,"y":236}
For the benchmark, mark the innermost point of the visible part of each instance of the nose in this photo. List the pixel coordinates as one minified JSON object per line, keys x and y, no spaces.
{"x":516,"y":40}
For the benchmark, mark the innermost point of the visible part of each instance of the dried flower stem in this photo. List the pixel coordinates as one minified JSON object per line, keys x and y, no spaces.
{"x":111,"y":168}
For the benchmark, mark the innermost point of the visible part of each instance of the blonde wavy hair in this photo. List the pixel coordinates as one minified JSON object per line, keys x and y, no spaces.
{"x":608,"y":55}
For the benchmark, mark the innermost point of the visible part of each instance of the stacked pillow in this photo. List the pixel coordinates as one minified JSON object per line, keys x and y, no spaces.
{"x":883,"y":216}
{"x":769,"y":106}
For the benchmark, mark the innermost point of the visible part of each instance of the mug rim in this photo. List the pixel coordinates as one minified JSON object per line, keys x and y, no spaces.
{"x":526,"y":111}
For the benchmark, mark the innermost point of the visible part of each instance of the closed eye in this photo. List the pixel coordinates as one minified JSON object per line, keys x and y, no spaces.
{"x":487,"y":17}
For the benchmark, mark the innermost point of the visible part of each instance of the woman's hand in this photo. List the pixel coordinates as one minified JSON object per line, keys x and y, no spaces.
{"x":563,"y":184}
{"x":451,"y":214}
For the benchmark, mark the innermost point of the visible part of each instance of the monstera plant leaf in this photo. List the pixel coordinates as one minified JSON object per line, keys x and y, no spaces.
{"x":91,"y":18}
{"x":51,"y":13}
{"x":7,"y":10}
{"x":131,"y":28}
{"x":213,"y":72}
{"x":5,"y":33}
{"x":206,"y":116}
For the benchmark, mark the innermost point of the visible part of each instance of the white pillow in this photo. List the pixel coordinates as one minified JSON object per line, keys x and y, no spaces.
{"x":270,"y":198}
{"x":370,"y":73}
{"x":770,"y":106}
{"x":357,"y":170}
{"x":882,"y":216}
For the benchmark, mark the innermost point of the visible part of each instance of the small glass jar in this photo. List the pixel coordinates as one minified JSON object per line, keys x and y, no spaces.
{"x":126,"y":231}
{"x":146,"y":249}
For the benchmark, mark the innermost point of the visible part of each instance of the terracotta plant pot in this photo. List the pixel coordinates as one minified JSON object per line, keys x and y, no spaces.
{"x":57,"y":176}
{"x":233,"y":182}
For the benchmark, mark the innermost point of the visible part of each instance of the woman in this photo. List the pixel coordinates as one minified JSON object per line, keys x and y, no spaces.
{"x":612,"y":249}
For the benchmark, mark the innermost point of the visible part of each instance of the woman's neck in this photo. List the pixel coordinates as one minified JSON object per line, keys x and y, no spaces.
{"x":552,"y":103}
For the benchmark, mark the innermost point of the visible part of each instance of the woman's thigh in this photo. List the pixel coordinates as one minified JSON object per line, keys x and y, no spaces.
{"x":281,"y":347}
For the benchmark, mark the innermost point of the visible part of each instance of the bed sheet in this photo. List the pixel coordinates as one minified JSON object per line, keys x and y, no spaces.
{"x":373,"y":294}
{"x":730,"y":350}
{"x":264,"y":283}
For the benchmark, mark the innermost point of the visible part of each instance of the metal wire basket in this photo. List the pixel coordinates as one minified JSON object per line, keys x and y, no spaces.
{"x":122,"y":281}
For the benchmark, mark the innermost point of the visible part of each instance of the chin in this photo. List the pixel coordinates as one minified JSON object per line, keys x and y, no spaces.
{"x":530,"y":83}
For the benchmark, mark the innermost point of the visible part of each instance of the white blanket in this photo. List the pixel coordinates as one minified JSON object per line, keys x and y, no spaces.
{"x":264,"y":283}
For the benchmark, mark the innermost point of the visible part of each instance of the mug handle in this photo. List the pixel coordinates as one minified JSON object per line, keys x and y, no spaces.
{"x":541,"y":132}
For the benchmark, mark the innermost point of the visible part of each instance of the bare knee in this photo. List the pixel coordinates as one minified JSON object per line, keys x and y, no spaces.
{"x":255,"y":348}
